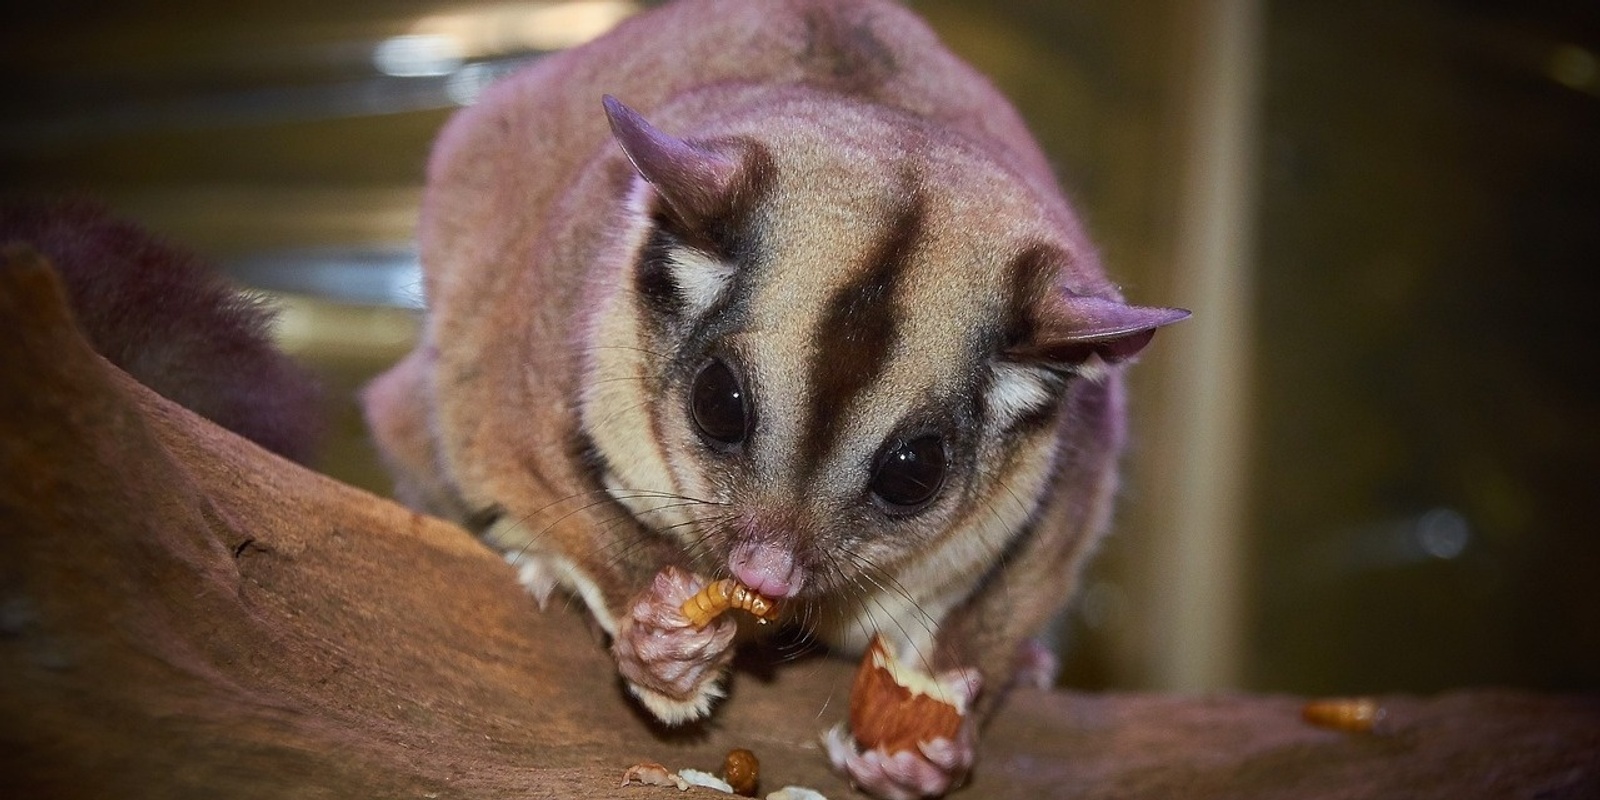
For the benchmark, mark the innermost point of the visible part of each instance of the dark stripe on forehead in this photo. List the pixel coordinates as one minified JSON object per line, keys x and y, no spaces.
{"x":857,"y":330}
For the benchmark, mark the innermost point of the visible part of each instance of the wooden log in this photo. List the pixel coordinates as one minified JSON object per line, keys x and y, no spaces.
{"x":183,"y":614}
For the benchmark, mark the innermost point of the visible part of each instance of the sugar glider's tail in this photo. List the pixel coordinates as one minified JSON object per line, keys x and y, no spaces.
{"x":166,"y":317}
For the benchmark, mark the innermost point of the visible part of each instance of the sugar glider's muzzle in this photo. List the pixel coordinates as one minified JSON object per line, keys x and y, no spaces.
{"x":767,"y":568}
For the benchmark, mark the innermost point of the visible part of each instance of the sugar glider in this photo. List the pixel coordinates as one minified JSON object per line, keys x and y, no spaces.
{"x":781,"y":291}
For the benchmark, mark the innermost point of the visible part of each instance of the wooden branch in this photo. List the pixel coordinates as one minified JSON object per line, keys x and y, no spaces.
{"x":183,"y":614}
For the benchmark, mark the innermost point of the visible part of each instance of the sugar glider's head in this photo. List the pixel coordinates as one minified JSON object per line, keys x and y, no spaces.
{"x":841,"y":342}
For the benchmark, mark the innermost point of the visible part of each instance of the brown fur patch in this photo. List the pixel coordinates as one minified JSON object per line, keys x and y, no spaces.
{"x":858,"y":329}
{"x":1030,"y":277}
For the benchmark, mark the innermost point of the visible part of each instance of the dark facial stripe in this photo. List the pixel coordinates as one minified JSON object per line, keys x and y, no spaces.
{"x":482,"y":519}
{"x":723,"y":231}
{"x":857,"y":331}
{"x":730,"y":234}
{"x":1030,"y":275}
{"x":656,"y":287}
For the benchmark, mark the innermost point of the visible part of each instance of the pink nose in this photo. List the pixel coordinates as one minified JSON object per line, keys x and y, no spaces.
{"x":766,"y":568}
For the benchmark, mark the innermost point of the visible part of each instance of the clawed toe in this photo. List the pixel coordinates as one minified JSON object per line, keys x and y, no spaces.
{"x":933,"y":769}
{"x":946,"y":754}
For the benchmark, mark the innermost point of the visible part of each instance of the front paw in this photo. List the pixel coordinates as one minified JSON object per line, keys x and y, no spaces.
{"x":931,"y":769}
{"x":909,"y":735}
{"x":674,"y":668}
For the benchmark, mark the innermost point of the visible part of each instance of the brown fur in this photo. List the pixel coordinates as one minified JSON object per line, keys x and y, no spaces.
{"x":167,"y":318}
{"x":896,"y":248}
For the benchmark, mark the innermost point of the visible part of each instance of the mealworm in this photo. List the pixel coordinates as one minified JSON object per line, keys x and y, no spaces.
{"x":1349,"y":714}
{"x":719,"y":596}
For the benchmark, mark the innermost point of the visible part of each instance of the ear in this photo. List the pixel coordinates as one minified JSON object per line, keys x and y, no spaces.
{"x":1067,"y":329}
{"x":697,"y":182}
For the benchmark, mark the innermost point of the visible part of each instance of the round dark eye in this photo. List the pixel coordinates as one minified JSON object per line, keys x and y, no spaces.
{"x":716,"y":401}
{"x":910,"y":473}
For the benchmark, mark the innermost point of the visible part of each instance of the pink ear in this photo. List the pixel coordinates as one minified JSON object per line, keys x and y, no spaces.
{"x":1073,"y":327}
{"x":695,"y":181}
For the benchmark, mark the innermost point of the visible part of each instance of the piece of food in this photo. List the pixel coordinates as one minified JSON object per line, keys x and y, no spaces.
{"x":796,"y":793}
{"x":1348,"y":714}
{"x":739,"y":775}
{"x":742,"y":771}
{"x":719,"y":596}
{"x":893,"y":707}
{"x":649,"y":773}
{"x":695,"y":777}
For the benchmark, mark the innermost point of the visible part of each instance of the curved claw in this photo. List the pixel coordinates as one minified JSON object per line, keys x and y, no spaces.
{"x":950,"y":756}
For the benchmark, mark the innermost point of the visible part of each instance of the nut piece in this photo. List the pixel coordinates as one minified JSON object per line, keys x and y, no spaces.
{"x":1348,"y":714}
{"x":742,"y":771}
{"x":719,"y":596}
{"x":893,"y":707}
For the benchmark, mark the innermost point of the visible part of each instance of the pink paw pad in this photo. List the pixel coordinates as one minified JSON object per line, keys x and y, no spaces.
{"x":932,"y":770}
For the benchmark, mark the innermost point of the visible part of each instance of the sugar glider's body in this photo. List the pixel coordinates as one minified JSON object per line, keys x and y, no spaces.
{"x":823,"y":323}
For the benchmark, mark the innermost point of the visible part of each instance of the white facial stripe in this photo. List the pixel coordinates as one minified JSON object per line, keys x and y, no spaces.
{"x":702,"y":278}
{"x":1017,"y":390}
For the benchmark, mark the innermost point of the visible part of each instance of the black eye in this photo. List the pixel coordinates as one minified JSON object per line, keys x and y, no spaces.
{"x":910,"y":473}
{"x":716,"y":401}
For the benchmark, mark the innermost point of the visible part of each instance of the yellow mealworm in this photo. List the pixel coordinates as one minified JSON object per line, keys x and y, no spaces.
{"x":1350,"y":714}
{"x":719,"y":596}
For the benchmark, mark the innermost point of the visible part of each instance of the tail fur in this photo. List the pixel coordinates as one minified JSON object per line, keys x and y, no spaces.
{"x":166,"y":317}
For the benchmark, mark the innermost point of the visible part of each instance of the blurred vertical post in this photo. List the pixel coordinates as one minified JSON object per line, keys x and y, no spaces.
{"x":1199,"y":424}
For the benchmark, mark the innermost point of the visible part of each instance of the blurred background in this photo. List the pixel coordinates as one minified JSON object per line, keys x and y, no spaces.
{"x":1368,"y":464}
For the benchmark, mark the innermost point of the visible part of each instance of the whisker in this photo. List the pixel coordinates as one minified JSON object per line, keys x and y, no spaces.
{"x":612,"y":417}
{"x":600,"y":497}
{"x":886,"y":583}
{"x":596,"y":348}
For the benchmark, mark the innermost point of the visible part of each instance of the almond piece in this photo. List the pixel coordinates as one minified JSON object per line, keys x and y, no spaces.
{"x":893,"y":707}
